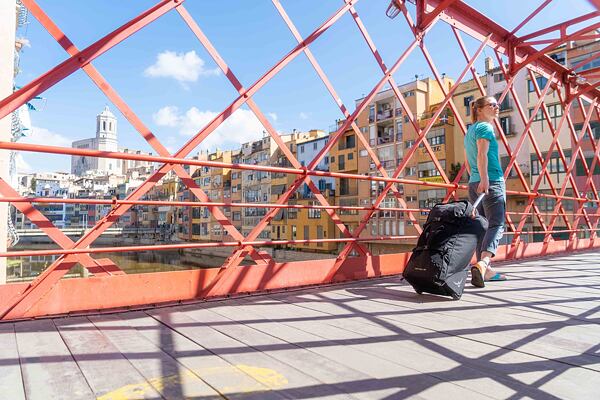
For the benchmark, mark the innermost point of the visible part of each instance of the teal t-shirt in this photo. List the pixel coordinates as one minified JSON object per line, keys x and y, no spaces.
{"x":483,"y":130}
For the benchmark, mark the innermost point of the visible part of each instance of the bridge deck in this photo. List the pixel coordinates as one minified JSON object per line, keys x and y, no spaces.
{"x":536,"y":336}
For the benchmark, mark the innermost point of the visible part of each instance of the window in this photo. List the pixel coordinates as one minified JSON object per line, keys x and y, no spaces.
{"x":594,"y":126}
{"x":350,"y":141}
{"x":505,"y":104}
{"x":408,"y":144}
{"x":315,"y":145}
{"x":103,"y":125}
{"x":539,"y":116}
{"x":592,"y":64}
{"x":499,"y":77}
{"x":437,"y":137}
{"x":428,"y":169}
{"x":559,"y":57}
{"x":195,"y":229}
{"x":409,"y":171}
{"x":344,"y":186}
{"x":292,"y":213}
{"x":306,"y":232}
{"x":320,"y":235}
{"x":385,"y":153}
{"x":363,"y":153}
{"x":467,"y":100}
{"x":506,"y":126}
{"x":535,"y":167}
{"x":555,"y":164}
{"x":541,"y":82}
{"x":293,"y":231}
{"x":332,"y":159}
{"x":314,"y":213}
{"x":467,"y":103}
{"x":350,"y":156}
{"x":302,"y":149}
{"x":341,"y":162}
{"x":431,"y":197}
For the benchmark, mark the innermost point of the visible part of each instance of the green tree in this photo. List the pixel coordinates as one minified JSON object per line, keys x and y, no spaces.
{"x":454,"y":170}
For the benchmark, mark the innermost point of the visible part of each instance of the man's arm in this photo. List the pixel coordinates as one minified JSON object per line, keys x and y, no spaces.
{"x":467,"y":162}
{"x":483,"y":146}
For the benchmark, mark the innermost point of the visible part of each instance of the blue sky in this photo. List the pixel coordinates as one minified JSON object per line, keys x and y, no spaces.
{"x":172,"y":84}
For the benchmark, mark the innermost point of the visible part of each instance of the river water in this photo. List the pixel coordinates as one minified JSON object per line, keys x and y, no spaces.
{"x":25,"y":268}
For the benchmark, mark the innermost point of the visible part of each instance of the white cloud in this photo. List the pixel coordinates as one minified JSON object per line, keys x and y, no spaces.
{"x":43,"y":136}
{"x":166,"y":116}
{"x":24,"y":41}
{"x":273,"y":116}
{"x":183,"y":67}
{"x":303,"y":115}
{"x":22,"y":165}
{"x":30,"y":162}
{"x":242,"y":126}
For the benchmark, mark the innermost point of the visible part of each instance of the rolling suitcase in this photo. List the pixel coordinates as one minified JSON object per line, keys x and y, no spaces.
{"x":439,"y":262}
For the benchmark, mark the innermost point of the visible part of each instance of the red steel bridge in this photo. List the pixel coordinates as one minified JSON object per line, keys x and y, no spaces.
{"x":109,"y":287}
{"x":555,"y":296}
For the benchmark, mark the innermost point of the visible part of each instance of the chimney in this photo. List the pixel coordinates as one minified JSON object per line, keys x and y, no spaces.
{"x":489,"y":64}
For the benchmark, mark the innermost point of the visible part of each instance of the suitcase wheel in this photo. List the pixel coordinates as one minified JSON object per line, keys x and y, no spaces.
{"x":456,"y":296}
{"x":419,"y":291}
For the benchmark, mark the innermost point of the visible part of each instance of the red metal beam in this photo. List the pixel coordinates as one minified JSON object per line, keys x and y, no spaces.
{"x":140,"y":290}
{"x":560,"y":26}
{"x":428,"y":18}
{"x":407,"y":157}
{"x":112,"y":95}
{"x":87,"y":55}
{"x":53,"y":273}
{"x":261,"y":117}
{"x":540,"y":53}
{"x":585,"y":61}
{"x":530,"y":16}
{"x":479,"y":26}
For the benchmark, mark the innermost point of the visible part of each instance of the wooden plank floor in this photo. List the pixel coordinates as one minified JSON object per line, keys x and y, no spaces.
{"x":535,"y":336}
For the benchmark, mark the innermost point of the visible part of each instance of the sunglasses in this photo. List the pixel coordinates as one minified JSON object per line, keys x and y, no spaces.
{"x":493,"y":105}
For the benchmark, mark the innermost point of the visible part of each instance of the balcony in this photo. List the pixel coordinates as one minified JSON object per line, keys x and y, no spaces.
{"x":385,"y":114}
{"x":443,"y":119}
{"x":387,"y":164}
{"x":257,"y":146}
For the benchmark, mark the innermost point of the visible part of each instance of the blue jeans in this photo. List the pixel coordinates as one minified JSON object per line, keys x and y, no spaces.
{"x":492,"y":208}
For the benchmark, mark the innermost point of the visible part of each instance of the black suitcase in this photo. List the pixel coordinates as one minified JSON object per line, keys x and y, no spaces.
{"x":439,"y":263}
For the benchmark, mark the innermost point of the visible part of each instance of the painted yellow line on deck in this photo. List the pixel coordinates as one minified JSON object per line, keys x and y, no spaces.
{"x":266,"y":378}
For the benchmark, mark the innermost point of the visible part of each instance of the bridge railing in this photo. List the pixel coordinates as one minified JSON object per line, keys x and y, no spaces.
{"x":109,"y":287}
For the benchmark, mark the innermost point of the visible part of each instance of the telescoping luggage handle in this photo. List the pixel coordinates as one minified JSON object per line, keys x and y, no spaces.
{"x":481,"y":196}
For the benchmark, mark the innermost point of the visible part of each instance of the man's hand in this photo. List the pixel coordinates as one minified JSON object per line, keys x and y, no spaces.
{"x":483,"y":186}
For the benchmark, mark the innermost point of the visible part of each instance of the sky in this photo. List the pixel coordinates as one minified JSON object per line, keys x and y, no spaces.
{"x":169,"y":80}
